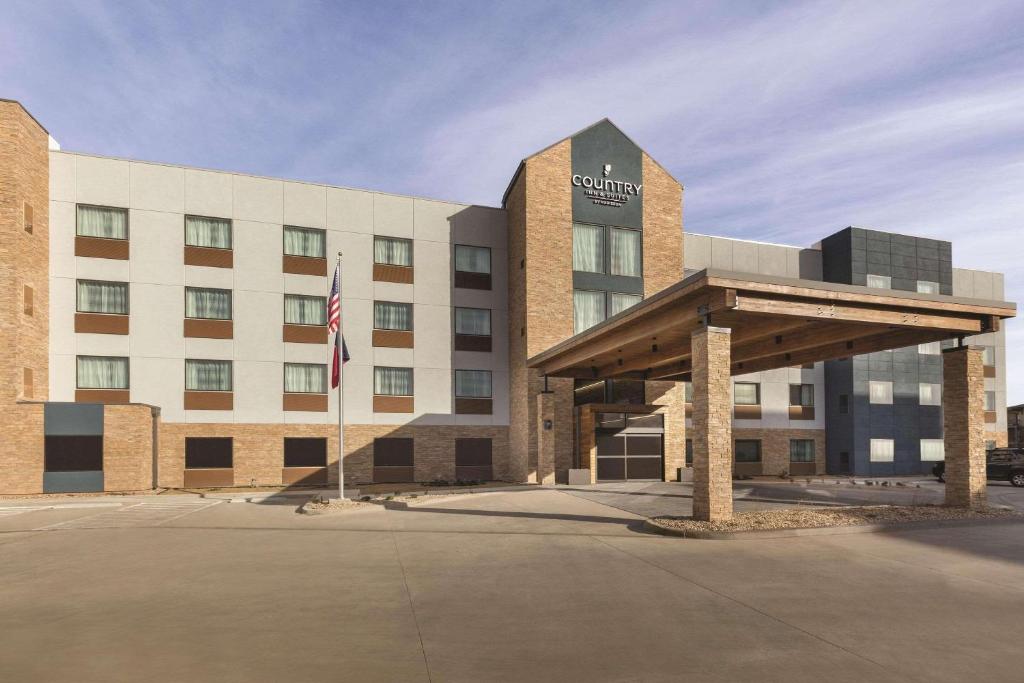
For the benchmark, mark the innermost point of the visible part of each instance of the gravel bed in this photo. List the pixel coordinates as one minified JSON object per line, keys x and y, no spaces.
{"x":336,"y":505}
{"x":810,"y":518}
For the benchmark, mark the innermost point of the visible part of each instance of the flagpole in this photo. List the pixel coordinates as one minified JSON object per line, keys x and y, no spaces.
{"x":341,"y":371}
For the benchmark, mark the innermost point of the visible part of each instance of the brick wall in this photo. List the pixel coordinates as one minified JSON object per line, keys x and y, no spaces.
{"x":712,"y":425}
{"x":128,"y":447}
{"x":963,"y":399}
{"x":775,"y":447}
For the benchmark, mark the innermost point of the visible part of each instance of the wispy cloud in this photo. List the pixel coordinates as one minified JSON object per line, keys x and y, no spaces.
{"x":785,"y":121}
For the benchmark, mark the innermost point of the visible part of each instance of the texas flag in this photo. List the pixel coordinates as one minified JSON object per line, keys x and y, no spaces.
{"x":334,"y":327}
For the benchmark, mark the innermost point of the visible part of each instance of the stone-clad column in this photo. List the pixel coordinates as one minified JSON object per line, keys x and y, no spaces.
{"x":712,"y":424}
{"x":963,"y":419}
{"x":547,"y":426}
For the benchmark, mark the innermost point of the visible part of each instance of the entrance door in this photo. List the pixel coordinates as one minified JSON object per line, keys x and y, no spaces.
{"x":630,"y":448}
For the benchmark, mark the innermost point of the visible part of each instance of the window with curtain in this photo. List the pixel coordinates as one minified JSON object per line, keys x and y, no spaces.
{"x":801,"y":450}
{"x":747,"y":450}
{"x":102,"y":221}
{"x":882,"y":450}
{"x":747,"y":393}
{"x":625,"y":252}
{"x":879,"y":281}
{"x":587,"y":309}
{"x":390,"y":315}
{"x":94,"y":296}
{"x":930,"y":348}
{"x":207,"y":375}
{"x":933,"y":450}
{"x":801,"y":395}
{"x":210,"y":304}
{"x":473,"y":383}
{"x":990,"y":401}
{"x":588,"y":248}
{"x":472,"y":259}
{"x":102,"y":372}
{"x":880,"y":392}
{"x":988,"y":355}
{"x":305,"y":378}
{"x":392,"y":381}
{"x":213,"y":233}
{"x":309,"y":242}
{"x":930,"y":394}
{"x":620,"y":302}
{"x":301,"y":309}
{"x":926,"y":287}
{"x":392,"y":251}
{"x":476,"y":321}
{"x":688,"y":392}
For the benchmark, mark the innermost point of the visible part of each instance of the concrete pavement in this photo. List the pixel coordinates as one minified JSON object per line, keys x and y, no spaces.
{"x":538,"y":585}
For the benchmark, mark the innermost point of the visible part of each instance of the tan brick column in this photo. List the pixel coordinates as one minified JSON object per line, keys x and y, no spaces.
{"x":712,"y":424}
{"x":547,"y":428}
{"x":963,"y":418}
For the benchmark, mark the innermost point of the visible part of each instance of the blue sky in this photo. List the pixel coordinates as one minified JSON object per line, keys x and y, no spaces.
{"x":784,"y":121}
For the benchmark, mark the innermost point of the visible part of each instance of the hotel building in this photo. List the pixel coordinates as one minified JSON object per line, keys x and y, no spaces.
{"x":165,"y":326}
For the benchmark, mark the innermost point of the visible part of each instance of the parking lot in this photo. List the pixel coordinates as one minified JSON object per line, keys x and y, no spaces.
{"x":522,"y":585}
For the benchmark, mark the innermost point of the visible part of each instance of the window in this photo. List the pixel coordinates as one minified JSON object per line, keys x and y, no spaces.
{"x":389,"y":315}
{"x":926,"y":287}
{"x":801,"y":450}
{"x":880,"y":392}
{"x":588,"y":391}
{"x":688,"y":392}
{"x":473,"y":383}
{"x":102,"y":297}
{"x":392,"y":381}
{"x":212,"y":233}
{"x":930,"y":394}
{"x":305,"y":452}
{"x":882,"y":450}
{"x":27,"y":222}
{"x":587,"y":309}
{"x":844,"y":404}
{"x":300,"y":309}
{"x":933,"y":450}
{"x":72,"y":453}
{"x":625,"y":256}
{"x":748,"y":450}
{"x":472,"y":259}
{"x":879,"y":282}
{"x":305,"y":378}
{"x":102,"y":221}
{"x":208,"y":452}
{"x":989,"y":445}
{"x":393,"y":452}
{"x":210,"y":304}
{"x":988,"y":356}
{"x":102,"y":372}
{"x":392,"y":251}
{"x":476,"y":321}
{"x":588,"y":248}
{"x":689,"y":452}
{"x":620,"y":302}
{"x":747,"y":393}
{"x":930,"y":348}
{"x":801,"y":395}
{"x":207,"y":375}
{"x":990,"y":401}
{"x":309,"y":242}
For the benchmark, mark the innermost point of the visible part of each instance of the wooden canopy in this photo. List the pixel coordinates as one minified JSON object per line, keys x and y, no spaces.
{"x":776,"y":322}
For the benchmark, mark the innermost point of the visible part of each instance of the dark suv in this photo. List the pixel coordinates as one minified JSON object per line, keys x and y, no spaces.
{"x":1002,"y":464}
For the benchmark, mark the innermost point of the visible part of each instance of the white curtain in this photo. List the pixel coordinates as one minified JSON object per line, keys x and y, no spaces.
{"x":473,"y":383}
{"x":392,"y":381}
{"x":102,"y":372}
{"x":930,"y":394}
{"x":587,"y":309}
{"x":213,"y":304}
{"x":801,"y":450}
{"x":625,"y":252}
{"x":392,"y":251}
{"x":305,"y":310}
{"x":473,"y":321}
{"x":98,"y":221}
{"x":102,"y":297}
{"x":930,"y":348}
{"x":305,"y":242}
{"x":388,"y":315}
{"x":588,"y":248}
{"x":620,"y":302}
{"x":990,"y":401}
{"x":880,"y":392}
{"x":933,"y":450}
{"x":305,"y":378}
{"x":746,"y":393}
{"x":882,"y":450}
{"x":472,"y":259}
{"x":988,"y":355}
{"x":801,"y":394}
{"x":201,"y":231}
{"x":208,"y":375}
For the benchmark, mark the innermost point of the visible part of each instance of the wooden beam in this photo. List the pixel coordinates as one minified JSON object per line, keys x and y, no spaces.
{"x":808,"y":337}
{"x":823,"y":311}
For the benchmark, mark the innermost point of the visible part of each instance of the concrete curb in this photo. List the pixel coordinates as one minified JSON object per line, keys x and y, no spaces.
{"x":822,"y":531}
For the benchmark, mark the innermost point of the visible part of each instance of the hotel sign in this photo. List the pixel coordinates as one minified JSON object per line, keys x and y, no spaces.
{"x":605,"y":190}
{"x":606,"y":178}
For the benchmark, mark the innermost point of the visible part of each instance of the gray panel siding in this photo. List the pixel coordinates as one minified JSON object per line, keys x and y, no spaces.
{"x":72,"y":419}
{"x":72,"y":482}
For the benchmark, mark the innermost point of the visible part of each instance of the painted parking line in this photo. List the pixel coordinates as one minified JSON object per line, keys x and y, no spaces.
{"x":143,"y":514}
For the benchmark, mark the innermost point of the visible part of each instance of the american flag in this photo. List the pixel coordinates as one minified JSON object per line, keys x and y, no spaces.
{"x":334,"y":327}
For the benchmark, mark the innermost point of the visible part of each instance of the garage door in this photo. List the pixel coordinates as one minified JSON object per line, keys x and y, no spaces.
{"x":629,"y":453}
